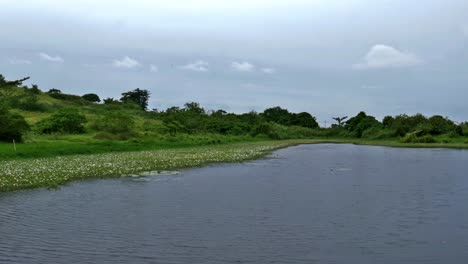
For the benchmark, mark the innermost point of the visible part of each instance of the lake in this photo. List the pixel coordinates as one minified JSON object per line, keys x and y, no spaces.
{"x":328,"y":203}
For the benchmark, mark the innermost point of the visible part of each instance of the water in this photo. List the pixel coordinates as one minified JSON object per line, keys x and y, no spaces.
{"x":305,"y":204}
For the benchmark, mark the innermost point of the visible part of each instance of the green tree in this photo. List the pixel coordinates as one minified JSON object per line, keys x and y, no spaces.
{"x":66,"y":120}
{"x":440,"y":125}
{"x":278,"y":115}
{"x":194,"y":107}
{"x":5,"y":83}
{"x":304,"y":120}
{"x":12,"y":126}
{"x":360,"y":123}
{"x":35,"y":89}
{"x":137,"y":96}
{"x":116,"y":122}
{"x":93,"y":98}
{"x":387,"y":122}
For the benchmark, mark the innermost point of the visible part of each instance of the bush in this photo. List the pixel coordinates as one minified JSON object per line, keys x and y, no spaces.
{"x":12,"y":126}
{"x":105,"y":136}
{"x":117,"y":123}
{"x":265,"y":129}
{"x":377,"y":133}
{"x":67,"y":120}
{"x":30,"y":103}
{"x":413,"y":138}
{"x":92,"y":98}
{"x":459,"y":130}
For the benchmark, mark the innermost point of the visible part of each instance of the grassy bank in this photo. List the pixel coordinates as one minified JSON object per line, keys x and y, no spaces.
{"x":45,"y":165}
{"x":395,"y":143}
{"x":84,"y":144}
{"x":51,"y":172}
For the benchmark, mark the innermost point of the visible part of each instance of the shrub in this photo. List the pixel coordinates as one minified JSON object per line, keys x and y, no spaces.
{"x":413,"y":138}
{"x":117,"y":123}
{"x":35,"y":89}
{"x":30,"y":103}
{"x":67,"y":120}
{"x":92,"y":98}
{"x":265,"y":129}
{"x":377,"y":133}
{"x":12,"y":126}
{"x":459,"y":130}
{"x":105,"y":136}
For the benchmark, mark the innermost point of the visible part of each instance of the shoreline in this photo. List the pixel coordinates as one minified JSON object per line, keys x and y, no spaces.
{"x":51,"y":172}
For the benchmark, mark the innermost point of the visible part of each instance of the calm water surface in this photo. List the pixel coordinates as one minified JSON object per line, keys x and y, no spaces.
{"x":306,"y":204}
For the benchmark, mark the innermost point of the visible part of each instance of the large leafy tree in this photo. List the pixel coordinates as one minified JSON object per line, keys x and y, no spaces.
{"x":360,"y":123}
{"x":278,"y":115}
{"x":137,"y":96}
{"x":93,"y":98}
{"x":304,"y":120}
{"x":12,"y":126}
{"x":66,"y":120}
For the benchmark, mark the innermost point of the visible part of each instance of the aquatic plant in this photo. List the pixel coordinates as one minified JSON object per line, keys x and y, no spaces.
{"x":54,"y":171}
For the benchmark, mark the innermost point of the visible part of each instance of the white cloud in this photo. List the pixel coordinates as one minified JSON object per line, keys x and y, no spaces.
{"x":268,"y":70}
{"x":20,"y":61}
{"x":126,"y":62}
{"x":153,"y":68}
{"x":242,"y":66}
{"x":383,"y":56}
{"x":198,"y":66}
{"x":47,"y":57}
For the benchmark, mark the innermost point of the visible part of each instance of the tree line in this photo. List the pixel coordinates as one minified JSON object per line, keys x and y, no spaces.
{"x":129,"y":117}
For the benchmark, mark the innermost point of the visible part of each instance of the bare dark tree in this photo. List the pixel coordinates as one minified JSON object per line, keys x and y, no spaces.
{"x":4,"y":83}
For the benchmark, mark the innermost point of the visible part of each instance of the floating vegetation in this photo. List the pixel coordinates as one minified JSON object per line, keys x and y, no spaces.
{"x":52,"y":172}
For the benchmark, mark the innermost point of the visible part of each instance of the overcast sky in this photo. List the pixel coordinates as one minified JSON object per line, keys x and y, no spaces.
{"x":326,"y":57}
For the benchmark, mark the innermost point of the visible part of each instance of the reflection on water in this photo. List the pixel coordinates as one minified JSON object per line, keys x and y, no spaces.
{"x":307,"y":204}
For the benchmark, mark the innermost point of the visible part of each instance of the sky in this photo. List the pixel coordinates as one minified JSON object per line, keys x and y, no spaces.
{"x":326,"y":57}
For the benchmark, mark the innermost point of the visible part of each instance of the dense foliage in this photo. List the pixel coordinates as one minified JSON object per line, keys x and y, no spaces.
{"x":93,"y":98}
{"x":137,"y":96}
{"x":55,"y":112}
{"x":12,"y":125}
{"x":66,"y":120}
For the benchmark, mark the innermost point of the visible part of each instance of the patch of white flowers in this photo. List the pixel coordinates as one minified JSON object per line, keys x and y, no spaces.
{"x":51,"y":172}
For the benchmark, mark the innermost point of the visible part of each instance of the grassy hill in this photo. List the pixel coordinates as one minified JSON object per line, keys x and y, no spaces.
{"x":52,"y":123}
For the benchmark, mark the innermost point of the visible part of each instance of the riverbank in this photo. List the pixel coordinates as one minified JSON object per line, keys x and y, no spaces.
{"x":395,"y":143}
{"x":51,"y":172}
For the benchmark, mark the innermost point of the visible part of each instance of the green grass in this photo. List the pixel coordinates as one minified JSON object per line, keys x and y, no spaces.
{"x":454,"y":144}
{"x":54,"y":171}
{"x":62,"y":145}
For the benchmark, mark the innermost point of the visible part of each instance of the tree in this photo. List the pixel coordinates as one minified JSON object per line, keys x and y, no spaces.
{"x":116,"y":122}
{"x":340,"y":120}
{"x":93,"y":98}
{"x":110,"y":101}
{"x":278,"y":115}
{"x":194,"y":107}
{"x":388,"y":121}
{"x":4,"y":83}
{"x":54,"y":91}
{"x":66,"y":120}
{"x":360,"y":123}
{"x":440,"y":125}
{"x":304,"y":119}
{"x":12,"y":126}
{"x":35,"y":89}
{"x":137,"y":96}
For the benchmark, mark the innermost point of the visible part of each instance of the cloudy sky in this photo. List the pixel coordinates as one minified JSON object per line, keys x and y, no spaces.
{"x":326,"y":57}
